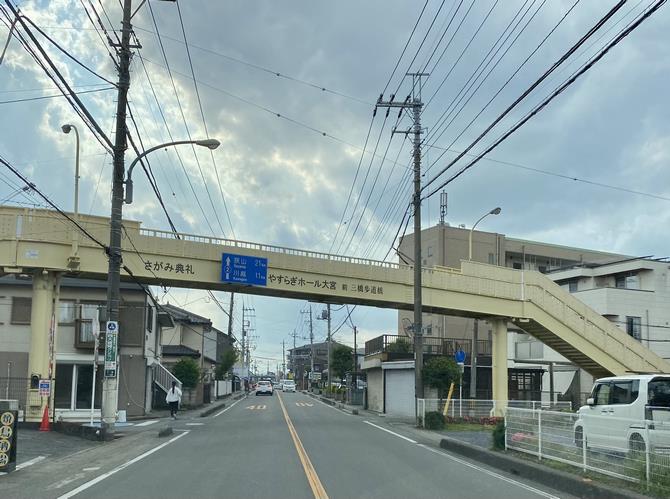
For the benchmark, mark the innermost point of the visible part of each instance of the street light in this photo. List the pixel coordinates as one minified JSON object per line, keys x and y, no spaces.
{"x":208,"y":143}
{"x":495,"y":211}
{"x":66,"y":129}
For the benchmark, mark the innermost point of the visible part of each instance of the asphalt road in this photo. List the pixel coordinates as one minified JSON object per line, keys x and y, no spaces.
{"x":305,"y":449}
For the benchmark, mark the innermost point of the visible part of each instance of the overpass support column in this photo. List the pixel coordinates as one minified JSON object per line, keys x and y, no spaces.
{"x":41,"y":360}
{"x":499,"y":371}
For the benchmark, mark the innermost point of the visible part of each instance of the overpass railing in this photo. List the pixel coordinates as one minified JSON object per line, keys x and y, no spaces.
{"x":269,"y":248}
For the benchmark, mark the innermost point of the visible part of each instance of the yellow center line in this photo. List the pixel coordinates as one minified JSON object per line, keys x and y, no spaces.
{"x":312,"y":478}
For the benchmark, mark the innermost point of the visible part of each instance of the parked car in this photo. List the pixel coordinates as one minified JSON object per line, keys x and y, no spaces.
{"x":615,"y":414}
{"x":288,"y":385}
{"x":264,"y":387}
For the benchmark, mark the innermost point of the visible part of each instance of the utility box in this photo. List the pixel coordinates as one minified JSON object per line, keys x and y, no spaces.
{"x":9,"y":416}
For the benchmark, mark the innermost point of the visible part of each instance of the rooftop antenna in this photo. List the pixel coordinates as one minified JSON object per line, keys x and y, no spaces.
{"x":443,"y":206}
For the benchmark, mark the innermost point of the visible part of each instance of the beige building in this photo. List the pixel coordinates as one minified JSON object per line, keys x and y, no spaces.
{"x":529,"y":360}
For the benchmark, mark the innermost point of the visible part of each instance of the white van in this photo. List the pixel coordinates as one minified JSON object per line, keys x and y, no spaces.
{"x":615,"y":414}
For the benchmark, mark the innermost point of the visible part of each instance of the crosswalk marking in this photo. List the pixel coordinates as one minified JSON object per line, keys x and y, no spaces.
{"x":256,"y":407}
{"x":304,"y":404}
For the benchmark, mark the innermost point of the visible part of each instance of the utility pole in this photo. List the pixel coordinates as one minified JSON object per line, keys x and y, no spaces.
{"x":110,"y":385}
{"x":311,"y":341}
{"x":414,"y":103}
{"x":230,"y":315}
{"x":355,"y":360}
{"x":330,"y":349}
{"x":283,"y":358}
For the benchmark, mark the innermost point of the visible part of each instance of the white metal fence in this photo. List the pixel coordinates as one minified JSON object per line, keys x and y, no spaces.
{"x":633,"y":450}
{"x":474,"y":409}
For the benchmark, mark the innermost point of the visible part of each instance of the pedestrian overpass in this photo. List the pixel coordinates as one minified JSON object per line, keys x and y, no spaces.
{"x":45,"y":244}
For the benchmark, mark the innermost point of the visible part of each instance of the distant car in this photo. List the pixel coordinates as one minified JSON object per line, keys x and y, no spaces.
{"x":277,"y":385}
{"x":264,"y":387}
{"x":288,"y":385}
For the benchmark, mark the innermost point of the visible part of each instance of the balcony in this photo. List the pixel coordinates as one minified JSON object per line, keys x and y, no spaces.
{"x":395,"y":347}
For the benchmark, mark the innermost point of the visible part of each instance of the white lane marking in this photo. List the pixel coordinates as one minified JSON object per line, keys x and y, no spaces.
{"x":94,"y":468}
{"x":99,"y":479}
{"x":194,"y":424}
{"x":391,"y":432}
{"x":147,"y":423}
{"x":491,"y":473}
{"x":229,"y":407}
{"x":31,"y":462}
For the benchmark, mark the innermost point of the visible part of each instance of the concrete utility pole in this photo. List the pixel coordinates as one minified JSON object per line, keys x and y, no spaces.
{"x":110,"y":385}
{"x":230,"y":315}
{"x":283,"y":358}
{"x":414,"y":103}
{"x":330,"y":340}
{"x":355,"y":359}
{"x":311,"y":341}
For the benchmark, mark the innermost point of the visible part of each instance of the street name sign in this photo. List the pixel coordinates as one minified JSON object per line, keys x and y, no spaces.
{"x":242,"y":269}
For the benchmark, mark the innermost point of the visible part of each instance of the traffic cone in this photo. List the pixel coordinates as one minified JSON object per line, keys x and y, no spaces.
{"x":44,"y":426}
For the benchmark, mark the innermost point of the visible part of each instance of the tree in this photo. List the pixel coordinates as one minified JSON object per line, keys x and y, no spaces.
{"x":187,"y":371}
{"x":226,"y":363}
{"x":401,"y":345}
{"x":343,"y":360}
{"x":440,"y":373}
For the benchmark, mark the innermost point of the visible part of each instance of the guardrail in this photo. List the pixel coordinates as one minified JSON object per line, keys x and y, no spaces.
{"x":399,"y":347}
{"x":629,"y":449}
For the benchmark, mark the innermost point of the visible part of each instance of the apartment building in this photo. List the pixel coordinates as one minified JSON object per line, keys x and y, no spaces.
{"x":80,"y":302}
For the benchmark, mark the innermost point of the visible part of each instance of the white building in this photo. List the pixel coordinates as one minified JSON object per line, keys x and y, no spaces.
{"x":634,"y":294}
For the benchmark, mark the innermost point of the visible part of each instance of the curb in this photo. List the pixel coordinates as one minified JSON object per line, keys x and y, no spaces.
{"x":216,"y":407}
{"x":337,"y":405}
{"x":556,"y":479}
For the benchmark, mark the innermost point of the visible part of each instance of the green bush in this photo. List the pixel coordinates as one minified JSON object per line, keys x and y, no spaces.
{"x":499,"y":435}
{"x":434,"y":421}
{"x":188,"y":372}
{"x":401,"y":345}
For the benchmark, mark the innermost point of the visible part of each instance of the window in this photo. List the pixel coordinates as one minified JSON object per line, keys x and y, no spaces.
{"x":87,"y":314}
{"x":21,"y":308}
{"x":627,"y":281}
{"x":659,"y":392}
{"x":542,"y":269}
{"x":430,"y":251}
{"x":601,"y":394}
{"x":74,"y":383}
{"x":572,"y":286}
{"x":492,"y":259}
{"x":516,"y":265}
{"x":66,"y":312}
{"x":624,"y":392}
{"x":634,"y":327}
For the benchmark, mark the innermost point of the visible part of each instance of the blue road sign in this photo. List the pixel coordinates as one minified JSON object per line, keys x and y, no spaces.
{"x":459,"y":355}
{"x":242,"y":269}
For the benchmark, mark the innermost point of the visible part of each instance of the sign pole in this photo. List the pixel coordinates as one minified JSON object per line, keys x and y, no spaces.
{"x":95,"y":329}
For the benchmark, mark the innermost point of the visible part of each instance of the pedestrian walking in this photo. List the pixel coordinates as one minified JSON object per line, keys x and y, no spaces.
{"x":173,"y":398}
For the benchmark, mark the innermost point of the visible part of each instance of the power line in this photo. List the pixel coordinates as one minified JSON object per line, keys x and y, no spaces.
{"x":409,"y":68}
{"x":444,"y":33}
{"x":465,"y":49}
{"x":42,"y":97}
{"x":623,"y":34}
{"x":409,"y":39}
{"x":527,"y":92}
{"x":564,"y":176}
{"x":204,"y":122}
{"x":509,"y":79}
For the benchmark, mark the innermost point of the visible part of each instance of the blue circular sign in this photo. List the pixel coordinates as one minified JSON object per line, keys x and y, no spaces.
{"x":459,"y":356}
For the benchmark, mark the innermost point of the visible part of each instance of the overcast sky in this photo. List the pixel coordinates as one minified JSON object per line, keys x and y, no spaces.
{"x":286,"y":183}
